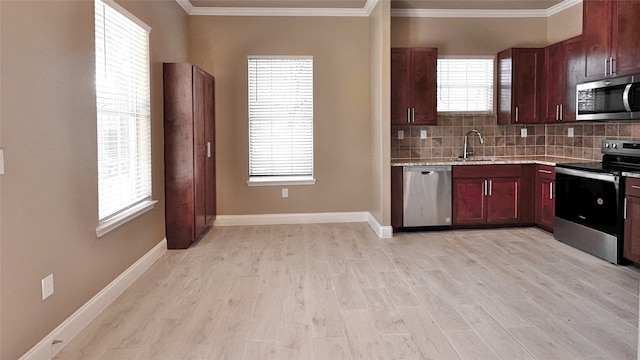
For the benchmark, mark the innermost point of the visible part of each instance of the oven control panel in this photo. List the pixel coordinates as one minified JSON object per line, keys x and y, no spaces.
{"x":621,"y":147}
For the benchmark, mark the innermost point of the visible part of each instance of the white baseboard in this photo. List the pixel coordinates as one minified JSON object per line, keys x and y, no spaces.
{"x":289,"y":219}
{"x":383,"y":232}
{"x":306,"y":218}
{"x":66,"y":331}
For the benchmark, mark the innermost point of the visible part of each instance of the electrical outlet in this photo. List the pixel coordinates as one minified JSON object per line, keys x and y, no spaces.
{"x":570,"y":132}
{"x":423,"y":134}
{"x":47,"y":286}
{"x":523,"y":132}
{"x":400,"y":134}
{"x":285,"y":192}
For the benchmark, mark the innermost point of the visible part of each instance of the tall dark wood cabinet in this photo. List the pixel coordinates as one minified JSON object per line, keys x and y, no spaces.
{"x":611,"y":32}
{"x":521,"y":87}
{"x":413,"y":86}
{"x":189,"y":153}
{"x":564,"y":63}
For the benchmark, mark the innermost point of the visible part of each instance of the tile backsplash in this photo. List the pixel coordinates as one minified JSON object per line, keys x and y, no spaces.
{"x":446,"y":139}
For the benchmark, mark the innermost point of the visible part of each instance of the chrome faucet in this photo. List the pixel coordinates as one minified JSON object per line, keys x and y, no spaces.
{"x":465,"y":150}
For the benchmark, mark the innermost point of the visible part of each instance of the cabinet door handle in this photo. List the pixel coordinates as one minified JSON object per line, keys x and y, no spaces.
{"x":550,"y":191}
{"x":544,"y":171}
{"x":561,"y":112}
{"x":485,"y":188}
{"x":208,"y":149}
{"x":624,"y":212}
{"x":408,"y":115}
{"x":557,"y":112}
{"x":516,"y":114}
{"x":635,"y":187}
{"x":606,"y":66}
{"x":413,"y":115}
{"x":611,"y":60}
{"x":490,"y":187}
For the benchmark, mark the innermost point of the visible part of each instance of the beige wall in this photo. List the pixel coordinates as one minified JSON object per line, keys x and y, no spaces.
{"x":564,"y":25}
{"x":380,"y":103}
{"x":49,"y":190}
{"x":473,"y":36}
{"x":340,"y":47}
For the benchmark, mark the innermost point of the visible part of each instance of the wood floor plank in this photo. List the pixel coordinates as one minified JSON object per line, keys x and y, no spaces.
{"x":386,"y":317}
{"x":577,"y":345}
{"x":469,"y":345}
{"x":364,"y":342}
{"x":539,"y":344}
{"x":337,"y":291}
{"x":426,"y":334}
{"x":499,"y":340}
{"x":335,"y":348}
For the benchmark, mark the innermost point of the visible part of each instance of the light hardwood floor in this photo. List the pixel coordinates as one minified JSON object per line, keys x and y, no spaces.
{"x":336,"y":291}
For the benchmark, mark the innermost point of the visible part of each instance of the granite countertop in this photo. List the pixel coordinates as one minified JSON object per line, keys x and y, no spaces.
{"x":487,"y":160}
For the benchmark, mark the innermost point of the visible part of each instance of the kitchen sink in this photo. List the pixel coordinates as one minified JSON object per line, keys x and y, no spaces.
{"x":477,"y":159}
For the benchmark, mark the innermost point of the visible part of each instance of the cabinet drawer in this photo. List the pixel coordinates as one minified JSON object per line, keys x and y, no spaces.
{"x":485,"y":171}
{"x":633,"y":187}
{"x":546,"y":172}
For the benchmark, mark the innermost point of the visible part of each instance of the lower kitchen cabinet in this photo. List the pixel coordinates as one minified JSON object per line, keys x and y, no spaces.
{"x":490,"y":195}
{"x":632,"y":220}
{"x":544,"y":196}
{"x":396,"y":196}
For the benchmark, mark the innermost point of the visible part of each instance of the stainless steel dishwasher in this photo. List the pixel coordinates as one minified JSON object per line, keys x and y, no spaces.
{"x":426,"y":196}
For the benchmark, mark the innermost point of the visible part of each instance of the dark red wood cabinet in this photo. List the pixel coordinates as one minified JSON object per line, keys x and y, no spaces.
{"x":189,"y":152}
{"x":631,"y":249}
{"x":563,"y":62}
{"x":413,"y":86}
{"x":611,"y":32}
{"x":544,"y":196}
{"x":489,"y":194}
{"x":397,"y":208}
{"x":521,"y":90}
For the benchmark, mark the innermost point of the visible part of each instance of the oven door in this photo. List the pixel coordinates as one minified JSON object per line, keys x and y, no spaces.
{"x":588,"y":198}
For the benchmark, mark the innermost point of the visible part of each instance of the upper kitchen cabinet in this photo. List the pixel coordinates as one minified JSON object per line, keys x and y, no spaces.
{"x":564,"y":64}
{"x":611,"y":32}
{"x":189,"y":153}
{"x":413,"y":86}
{"x":521,"y":86}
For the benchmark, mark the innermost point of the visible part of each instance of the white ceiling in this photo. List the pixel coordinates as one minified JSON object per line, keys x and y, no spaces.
{"x":417,"y":8}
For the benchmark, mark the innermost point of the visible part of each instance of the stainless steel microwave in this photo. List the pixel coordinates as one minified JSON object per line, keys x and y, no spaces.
{"x":610,"y":99}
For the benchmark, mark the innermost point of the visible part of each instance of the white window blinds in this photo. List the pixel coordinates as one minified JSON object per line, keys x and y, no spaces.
{"x":280,"y":116}
{"x":123,"y":107}
{"x":465,"y":85}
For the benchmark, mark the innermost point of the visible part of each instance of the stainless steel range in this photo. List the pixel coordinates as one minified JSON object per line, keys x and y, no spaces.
{"x":590,"y":197}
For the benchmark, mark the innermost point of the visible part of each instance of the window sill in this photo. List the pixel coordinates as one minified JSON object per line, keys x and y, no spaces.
{"x":280,"y":180}
{"x":121,"y":219}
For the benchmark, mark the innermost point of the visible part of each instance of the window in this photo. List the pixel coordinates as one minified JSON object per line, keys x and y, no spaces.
{"x":123,"y":115}
{"x":465,"y":85}
{"x":280,"y":120}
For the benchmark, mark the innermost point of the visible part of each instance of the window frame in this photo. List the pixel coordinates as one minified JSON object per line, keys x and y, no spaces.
{"x":492,"y":111}
{"x":133,"y":209}
{"x":278,"y":180}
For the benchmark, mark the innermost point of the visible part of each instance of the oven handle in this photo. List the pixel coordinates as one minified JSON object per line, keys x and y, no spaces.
{"x":587,"y":174}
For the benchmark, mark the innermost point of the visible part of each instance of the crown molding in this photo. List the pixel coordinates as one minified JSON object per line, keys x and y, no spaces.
{"x":476,"y":13}
{"x":260,"y":11}
{"x":186,"y":6}
{"x":562,"y":6}
{"x":368,"y":8}
{"x":256,"y":11}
